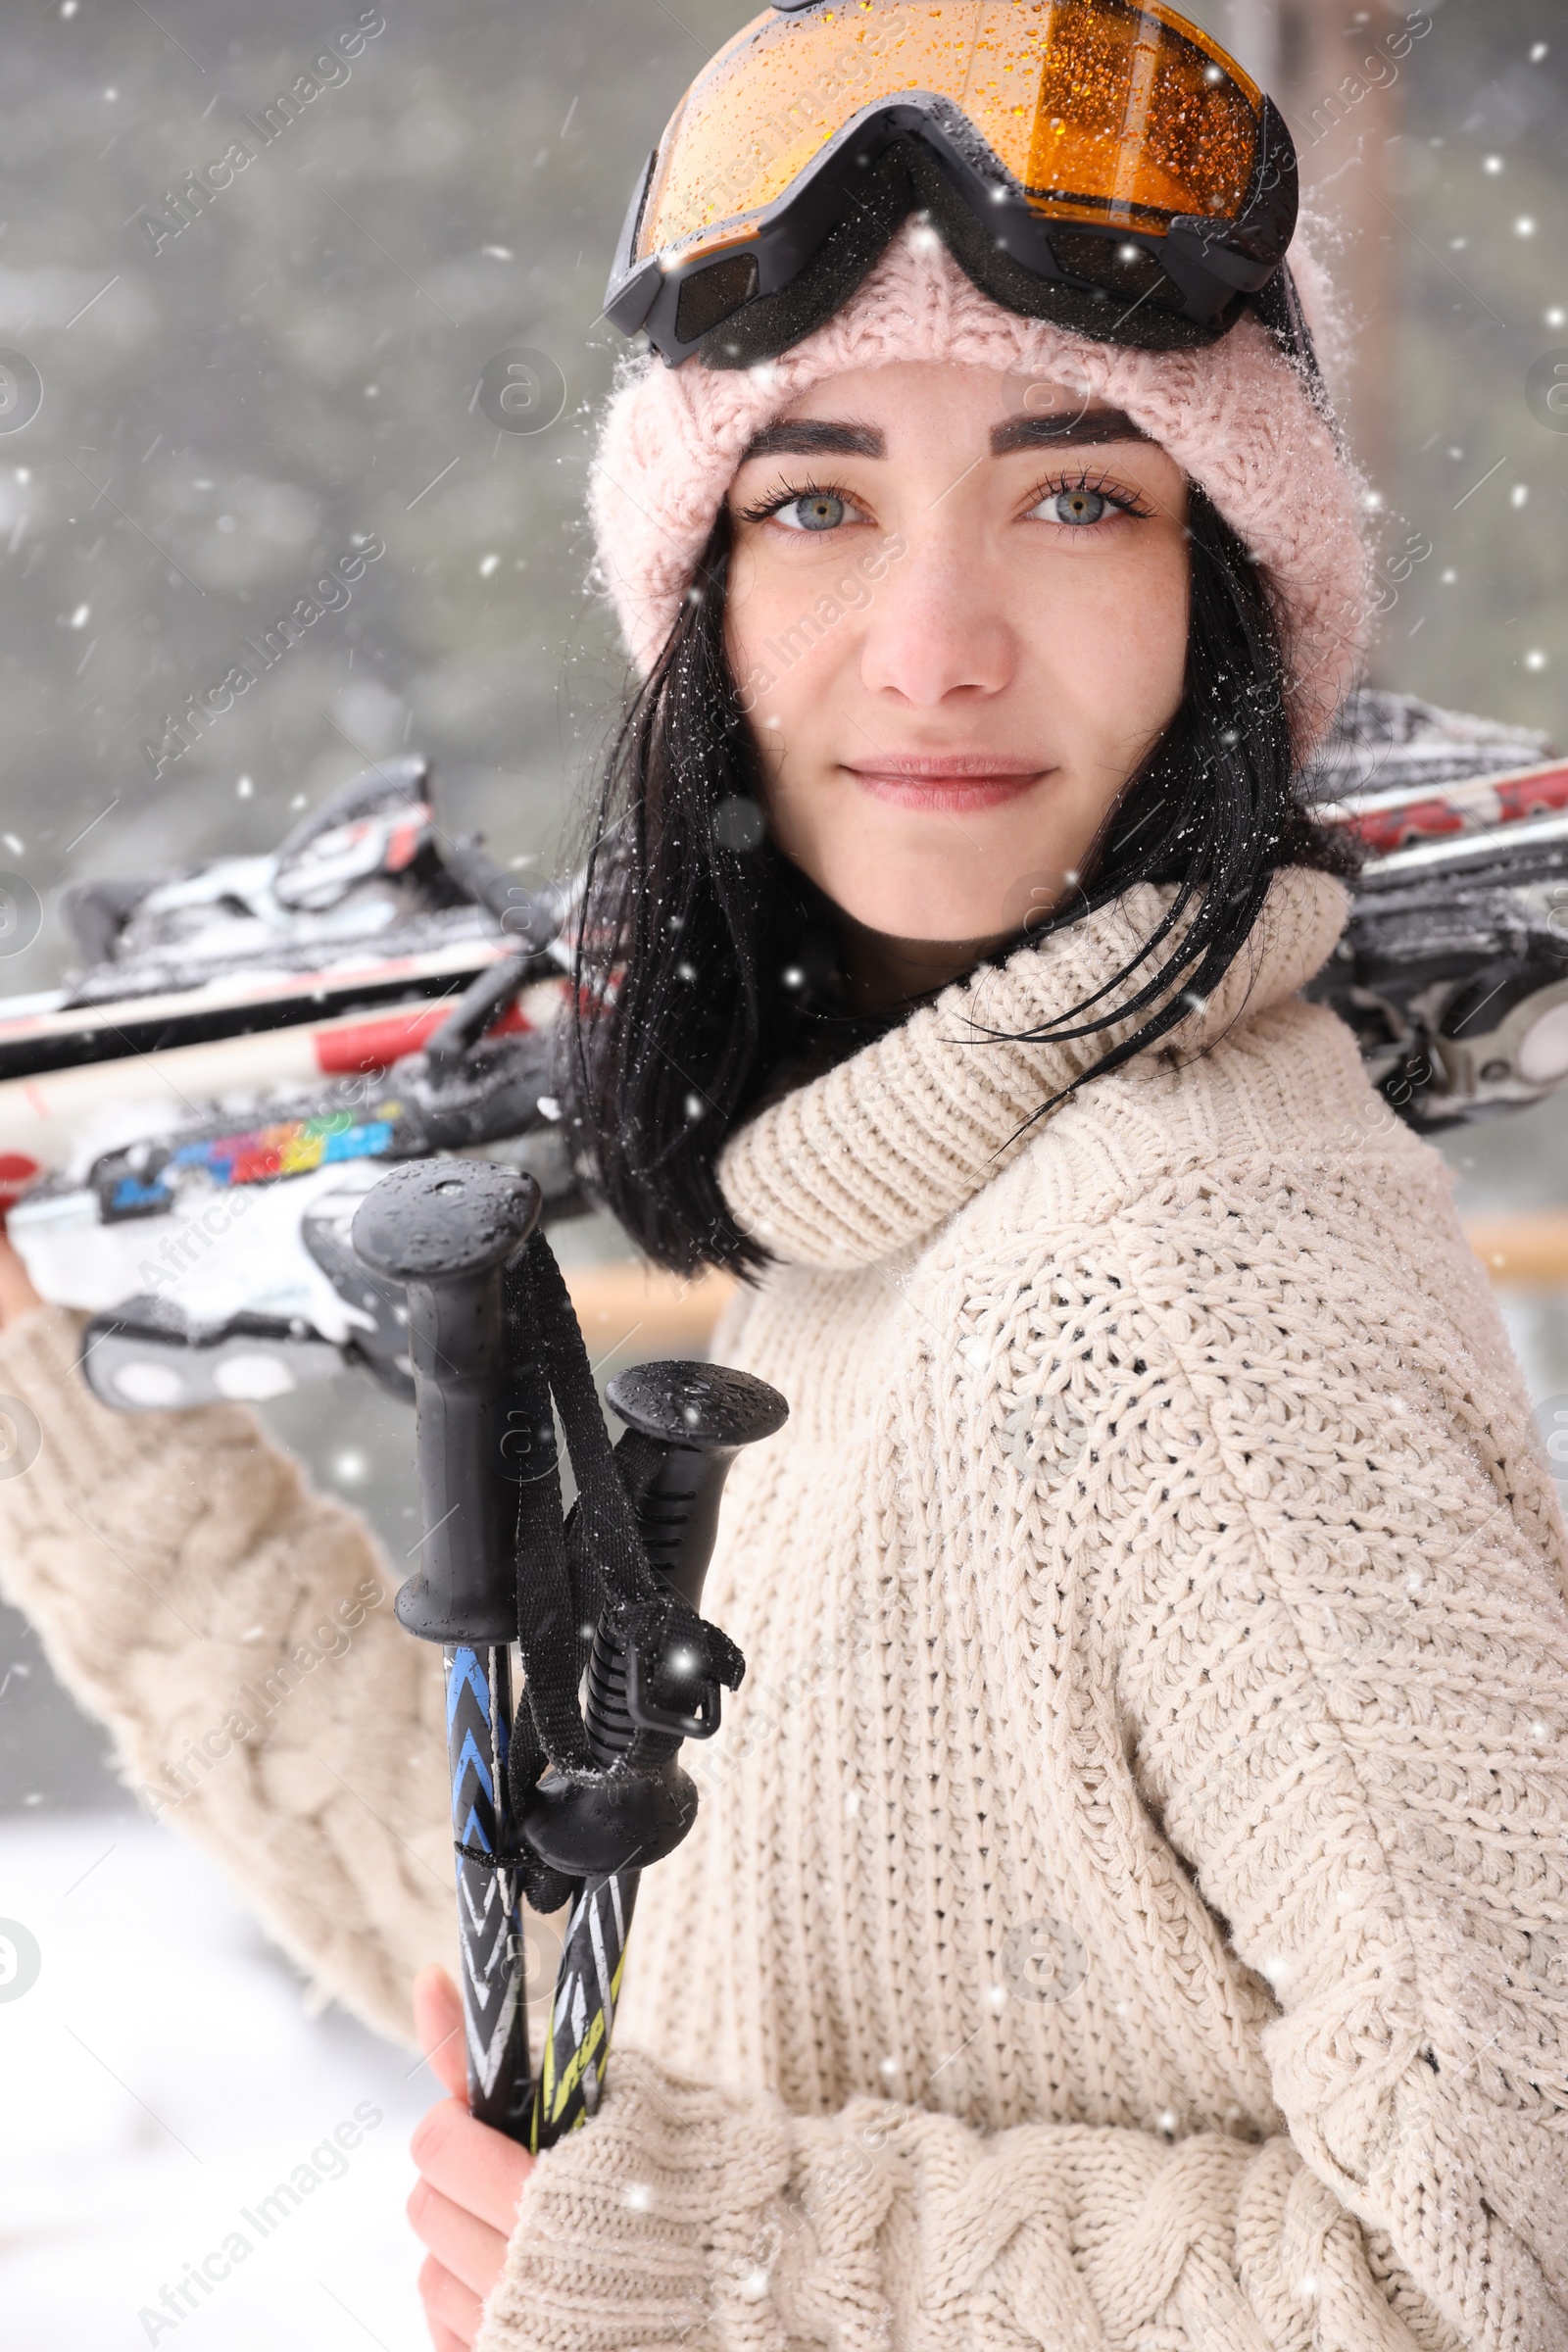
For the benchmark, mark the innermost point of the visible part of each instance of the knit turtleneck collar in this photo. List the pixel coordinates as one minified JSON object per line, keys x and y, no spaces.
{"x":867,"y":1160}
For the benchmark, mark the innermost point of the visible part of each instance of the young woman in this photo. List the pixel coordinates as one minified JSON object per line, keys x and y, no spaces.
{"x":1127,"y":1907}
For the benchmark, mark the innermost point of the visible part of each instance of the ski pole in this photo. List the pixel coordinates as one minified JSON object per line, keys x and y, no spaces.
{"x":686,"y":1422}
{"x":450,"y":1231}
{"x":445,"y":1229}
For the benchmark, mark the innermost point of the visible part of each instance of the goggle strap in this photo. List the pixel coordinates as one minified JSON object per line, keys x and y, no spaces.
{"x":1279,"y":306}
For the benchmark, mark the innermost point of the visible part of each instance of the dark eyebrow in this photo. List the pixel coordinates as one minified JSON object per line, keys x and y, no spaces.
{"x":810,"y":439}
{"x":1088,"y":426}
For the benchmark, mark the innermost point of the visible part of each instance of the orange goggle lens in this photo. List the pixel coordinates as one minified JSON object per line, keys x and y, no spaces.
{"x":1099,"y":111}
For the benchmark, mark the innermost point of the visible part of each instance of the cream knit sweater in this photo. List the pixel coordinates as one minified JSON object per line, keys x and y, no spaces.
{"x":1128,"y":1904}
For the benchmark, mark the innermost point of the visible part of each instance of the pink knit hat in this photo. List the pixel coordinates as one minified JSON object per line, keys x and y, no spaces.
{"x":1236,"y":415}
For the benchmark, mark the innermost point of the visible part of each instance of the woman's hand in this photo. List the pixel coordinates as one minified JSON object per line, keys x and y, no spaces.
{"x":17,"y":1293}
{"x":466,"y":2201}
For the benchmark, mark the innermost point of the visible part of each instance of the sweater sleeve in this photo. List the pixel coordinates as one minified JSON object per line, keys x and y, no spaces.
{"x":235,"y":1632}
{"x":688,"y":2216}
{"x":1373,"y":1801}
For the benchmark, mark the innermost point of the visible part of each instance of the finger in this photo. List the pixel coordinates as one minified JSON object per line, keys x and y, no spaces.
{"x":477,"y":2167}
{"x":452,"y":2310}
{"x":460,"y":2241}
{"x":17,"y":1293}
{"x":438,"y":2016}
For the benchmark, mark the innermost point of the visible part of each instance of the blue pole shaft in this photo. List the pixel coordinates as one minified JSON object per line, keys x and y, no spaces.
{"x":490,"y":1937}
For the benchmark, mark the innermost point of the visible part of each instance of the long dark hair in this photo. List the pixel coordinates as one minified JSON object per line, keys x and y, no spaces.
{"x":708,"y":965}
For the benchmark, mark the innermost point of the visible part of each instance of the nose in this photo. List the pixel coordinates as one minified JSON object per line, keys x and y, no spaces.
{"x":938,"y":627}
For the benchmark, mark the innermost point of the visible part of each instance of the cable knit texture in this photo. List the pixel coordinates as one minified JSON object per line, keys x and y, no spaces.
{"x":1127,"y":1908}
{"x":235,"y":1632}
{"x":1237,"y":417}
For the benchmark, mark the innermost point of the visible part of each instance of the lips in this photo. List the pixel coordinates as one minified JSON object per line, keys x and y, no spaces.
{"x":950,"y":781}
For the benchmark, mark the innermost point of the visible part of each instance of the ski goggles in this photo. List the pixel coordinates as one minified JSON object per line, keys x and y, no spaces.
{"x":1098,"y":163}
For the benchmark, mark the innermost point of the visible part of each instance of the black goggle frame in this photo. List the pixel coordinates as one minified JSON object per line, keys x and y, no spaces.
{"x":1172,"y":288}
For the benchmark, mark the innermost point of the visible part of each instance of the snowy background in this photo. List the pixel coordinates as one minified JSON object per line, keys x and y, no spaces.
{"x":223,"y":416}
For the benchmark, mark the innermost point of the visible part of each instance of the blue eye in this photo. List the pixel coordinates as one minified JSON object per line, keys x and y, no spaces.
{"x":816,"y":511}
{"x":1076,"y":506}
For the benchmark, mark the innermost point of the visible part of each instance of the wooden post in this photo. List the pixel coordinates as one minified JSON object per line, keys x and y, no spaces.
{"x":1329,"y":66}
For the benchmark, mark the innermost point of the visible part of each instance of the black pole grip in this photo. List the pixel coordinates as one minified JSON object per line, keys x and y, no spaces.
{"x":446,"y":1228}
{"x":685,"y":1423}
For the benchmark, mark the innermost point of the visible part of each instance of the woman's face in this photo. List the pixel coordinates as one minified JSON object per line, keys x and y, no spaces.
{"x":957,"y":614}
